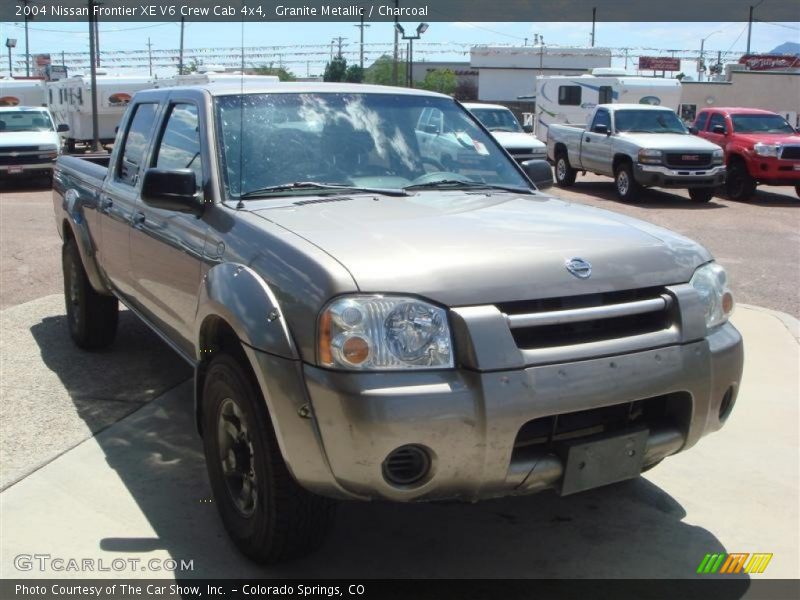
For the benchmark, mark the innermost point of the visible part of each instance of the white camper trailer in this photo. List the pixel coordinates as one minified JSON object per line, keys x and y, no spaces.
{"x":570,"y":100}
{"x":211,"y":77}
{"x":22,"y":92}
{"x":70,"y":102}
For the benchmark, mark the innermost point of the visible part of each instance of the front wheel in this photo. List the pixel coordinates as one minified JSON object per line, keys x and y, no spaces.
{"x":628,"y":189}
{"x":91,"y":316}
{"x":701,"y":194}
{"x":267,"y":514}
{"x":565,"y":174}
{"x":739,"y":184}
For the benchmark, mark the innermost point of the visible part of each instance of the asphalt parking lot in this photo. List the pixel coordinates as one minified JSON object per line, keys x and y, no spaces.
{"x":100,"y":459}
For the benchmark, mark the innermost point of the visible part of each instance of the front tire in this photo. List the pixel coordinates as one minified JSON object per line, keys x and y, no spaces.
{"x":739,"y":184}
{"x":267,"y":514}
{"x":700,"y":195}
{"x":565,"y":174}
{"x":628,"y":189}
{"x":91,"y":316}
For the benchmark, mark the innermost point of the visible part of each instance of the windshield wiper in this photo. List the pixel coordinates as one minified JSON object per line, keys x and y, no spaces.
{"x":460,"y":183}
{"x":313,"y":185}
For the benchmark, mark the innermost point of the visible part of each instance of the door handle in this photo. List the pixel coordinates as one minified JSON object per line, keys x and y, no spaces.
{"x":105,"y":204}
{"x":587,"y":140}
{"x":138,"y":220}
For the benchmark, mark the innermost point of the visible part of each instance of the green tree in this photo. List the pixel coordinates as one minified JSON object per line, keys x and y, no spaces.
{"x":440,"y":80}
{"x":380,"y":72}
{"x":335,"y":70}
{"x":282,"y":73}
{"x":354,"y":74}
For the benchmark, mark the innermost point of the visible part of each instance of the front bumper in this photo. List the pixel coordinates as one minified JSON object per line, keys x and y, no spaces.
{"x":661,"y":176}
{"x":774,"y":171}
{"x":44,"y":168}
{"x":469,"y":421}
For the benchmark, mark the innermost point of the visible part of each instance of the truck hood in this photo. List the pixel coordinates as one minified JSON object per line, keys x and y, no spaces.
{"x":670,"y":141}
{"x":513,"y":140}
{"x":29,"y":138}
{"x":752,"y":139}
{"x":462,"y":248}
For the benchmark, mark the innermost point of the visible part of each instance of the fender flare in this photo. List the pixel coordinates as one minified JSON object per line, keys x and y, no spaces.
{"x":239,"y":296}
{"x":73,"y":204}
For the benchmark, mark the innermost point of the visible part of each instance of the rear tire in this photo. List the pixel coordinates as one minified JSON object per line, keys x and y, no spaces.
{"x":91,"y":316}
{"x":565,"y":174}
{"x":267,"y":514}
{"x":628,"y":189}
{"x":700,"y":195}
{"x":797,"y":190}
{"x":739,"y":184}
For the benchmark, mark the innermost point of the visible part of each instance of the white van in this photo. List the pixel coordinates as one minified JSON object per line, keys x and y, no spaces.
{"x":570,"y":100}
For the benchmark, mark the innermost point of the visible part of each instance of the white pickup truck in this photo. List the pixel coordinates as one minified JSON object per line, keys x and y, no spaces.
{"x":29,"y":142}
{"x":639,"y":146}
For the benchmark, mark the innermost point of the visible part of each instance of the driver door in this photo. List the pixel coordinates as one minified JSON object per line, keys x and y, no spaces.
{"x":596,"y":146}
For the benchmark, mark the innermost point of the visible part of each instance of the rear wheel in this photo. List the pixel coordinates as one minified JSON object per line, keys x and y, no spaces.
{"x":628,"y":189}
{"x":267,"y":514}
{"x":565,"y":174}
{"x":91,"y":317}
{"x":701,"y":194}
{"x":739,"y":184}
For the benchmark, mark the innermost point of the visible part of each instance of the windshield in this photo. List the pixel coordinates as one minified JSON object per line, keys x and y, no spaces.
{"x":25,"y":120}
{"x":389,"y":141}
{"x":497,"y":119}
{"x":760,"y":124}
{"x":648,"y":121}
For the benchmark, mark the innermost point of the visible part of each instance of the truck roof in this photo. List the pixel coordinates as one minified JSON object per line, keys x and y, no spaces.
{"x":21,"y":108}
{"x":635,"y":106}
{"x":739,"y":110}
{"x":227,"y":88}
{"x":471,"y":105}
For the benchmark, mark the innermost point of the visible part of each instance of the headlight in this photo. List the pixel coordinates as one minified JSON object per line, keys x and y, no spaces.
{"x":384,"y":333}
{"x":650,"y":156}
{"x":711,"y":282}
{"x":766,"y":149}
{"x":718,"y":156}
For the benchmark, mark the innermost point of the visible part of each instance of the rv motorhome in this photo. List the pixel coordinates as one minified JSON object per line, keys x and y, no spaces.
{"x":570,"y":100}
{"x":22,"y":92}
{"x":70,"y":102}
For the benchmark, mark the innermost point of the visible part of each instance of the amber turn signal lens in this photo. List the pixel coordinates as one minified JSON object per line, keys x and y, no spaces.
{"x":355,"y":350}
{"x":325,"y":356}
{"x":727,"y":303}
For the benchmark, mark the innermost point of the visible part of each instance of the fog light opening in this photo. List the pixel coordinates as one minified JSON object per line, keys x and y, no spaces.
{"x":406,"y":465}
{"x":726,"y":405}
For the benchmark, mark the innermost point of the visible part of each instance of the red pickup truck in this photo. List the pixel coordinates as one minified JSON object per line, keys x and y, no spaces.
{"x":760,"y":147}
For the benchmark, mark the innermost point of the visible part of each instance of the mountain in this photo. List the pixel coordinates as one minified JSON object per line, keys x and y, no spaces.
{"x":787,"y":48}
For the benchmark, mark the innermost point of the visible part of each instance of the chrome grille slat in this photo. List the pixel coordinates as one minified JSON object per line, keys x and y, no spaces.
{"x":558,"y":317}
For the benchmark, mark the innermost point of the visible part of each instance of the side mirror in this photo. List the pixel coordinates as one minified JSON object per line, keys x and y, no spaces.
{"x":539,"y":172}
{"x":720,"y":129}
{"x":527,"y":128}
{"x":431,"y":128}
{"x":601,"y":129}
{"x":62,"y":127}
{"x":692,"y":129}
{"x":171,"y":190}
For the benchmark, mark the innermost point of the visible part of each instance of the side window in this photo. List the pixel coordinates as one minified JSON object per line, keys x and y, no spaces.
{"x":179,"y":147}
{"x":702,"y":119}
{"x":135,"y":143}
{"x":423,"y":118}
{"x":606,"y":95}
{"x":569,"y":95}
{"x":716,"y":119}
{"x":601,"y":118}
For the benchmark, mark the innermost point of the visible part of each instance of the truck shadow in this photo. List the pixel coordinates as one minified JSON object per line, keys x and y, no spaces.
{"x":24,"y":184}
{"x":770,"y":199}
{"x":629,"y":530}
{"x":650,"y":197}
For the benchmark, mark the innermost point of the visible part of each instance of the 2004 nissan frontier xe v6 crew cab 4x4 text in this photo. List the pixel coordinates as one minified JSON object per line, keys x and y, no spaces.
{"x":367,"y":323}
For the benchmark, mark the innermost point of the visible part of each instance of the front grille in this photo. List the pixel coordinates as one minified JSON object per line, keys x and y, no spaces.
{"x":687,"y":159}
{"x":555,"y":322}
{"x":790,"y":152}
{"x":515,"y":151}
{"x":29,"y":159}
{"x":669,"y":410}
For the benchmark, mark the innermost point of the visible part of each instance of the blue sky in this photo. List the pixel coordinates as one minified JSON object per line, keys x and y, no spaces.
{"x":443,"y":41}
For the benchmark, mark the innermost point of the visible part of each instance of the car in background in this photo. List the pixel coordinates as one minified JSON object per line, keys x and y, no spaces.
{"x":505,"y":128}
{"x":29,"y":142}
{"x":760,"y":147}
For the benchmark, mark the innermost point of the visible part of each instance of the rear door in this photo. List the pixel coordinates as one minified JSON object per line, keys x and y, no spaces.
{"x":118,"y":196}
{"x":167,"y":246}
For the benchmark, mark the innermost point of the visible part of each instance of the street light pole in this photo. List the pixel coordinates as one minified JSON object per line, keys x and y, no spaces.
{"x":421,"y":28}
{"x":25,"y":4}
{"x":10,"y":43}
{"x":701,"y":65}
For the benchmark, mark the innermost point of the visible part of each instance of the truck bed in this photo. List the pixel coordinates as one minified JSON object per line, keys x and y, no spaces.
{"x":90,"y":170}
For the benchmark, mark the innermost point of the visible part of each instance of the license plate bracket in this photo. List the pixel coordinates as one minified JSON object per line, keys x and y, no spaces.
{"x":14,"y":170}
{"x":601,"y":460}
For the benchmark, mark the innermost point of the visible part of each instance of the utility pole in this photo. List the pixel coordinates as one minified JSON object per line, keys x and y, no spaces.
{"x":339,"y":39}
{"x":750,"y":24}
{"x":25,"y":4}
{"x":361,"y":42}
{"x":180,"y":56}
{"x":594,"y":20}
{"x":93,"y":71}
{"x":396,"y":43}
{"x":96,"y":33}
{"x":150,"y":55}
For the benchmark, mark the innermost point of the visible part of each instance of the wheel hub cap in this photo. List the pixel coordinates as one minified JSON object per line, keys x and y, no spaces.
{"x":236,"y":457}
{"x":622,"y":183}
